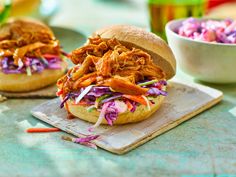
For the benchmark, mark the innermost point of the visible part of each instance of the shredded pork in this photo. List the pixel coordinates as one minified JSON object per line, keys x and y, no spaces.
{"x":109,"y":63}
{"x":22,"y":38}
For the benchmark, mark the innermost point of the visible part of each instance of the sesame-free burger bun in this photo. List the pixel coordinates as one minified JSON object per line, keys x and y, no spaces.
{"x":25,"y":83}
{"x":132,"y":36}
{"x":16,"y":27}
{"x":162,"y":56}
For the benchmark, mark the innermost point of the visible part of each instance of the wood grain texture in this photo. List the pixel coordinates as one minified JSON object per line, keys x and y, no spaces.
{"x":182,"y":103}
{"x":47,"y":92}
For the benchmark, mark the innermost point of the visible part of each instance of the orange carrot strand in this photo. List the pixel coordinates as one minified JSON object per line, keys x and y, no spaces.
{"x":136,"y":98}
{"x":42,"y":130}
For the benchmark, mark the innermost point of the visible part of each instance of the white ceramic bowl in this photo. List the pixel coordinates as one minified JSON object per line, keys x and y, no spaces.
{"x":210,"y":62}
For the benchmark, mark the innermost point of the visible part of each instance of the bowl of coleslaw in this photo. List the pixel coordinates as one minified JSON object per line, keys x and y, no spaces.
{"x":204,"y":48}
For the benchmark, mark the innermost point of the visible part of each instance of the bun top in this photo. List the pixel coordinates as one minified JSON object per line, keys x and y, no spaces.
{"x":17,"y":27}
{"x":132,"y":36}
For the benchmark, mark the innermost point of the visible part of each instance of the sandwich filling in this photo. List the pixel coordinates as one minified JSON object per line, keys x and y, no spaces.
{"x":27,"y":47}
{"x":111,"y":78}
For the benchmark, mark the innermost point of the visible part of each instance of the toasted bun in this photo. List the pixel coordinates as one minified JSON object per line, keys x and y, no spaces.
{"x":25,"y":83}
{"x":15,"y":27}
{"x":132,"y":36}
{"x":141,"y":113}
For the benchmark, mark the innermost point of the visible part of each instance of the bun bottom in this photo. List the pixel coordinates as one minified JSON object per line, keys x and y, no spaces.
{"x":141,"y":113}
{"x":25,"y":83}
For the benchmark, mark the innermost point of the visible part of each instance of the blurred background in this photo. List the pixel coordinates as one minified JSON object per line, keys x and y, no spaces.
{"x":88,"y":15}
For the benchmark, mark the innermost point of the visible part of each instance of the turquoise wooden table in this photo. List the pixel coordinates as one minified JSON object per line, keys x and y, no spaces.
{"x":203,"y":146}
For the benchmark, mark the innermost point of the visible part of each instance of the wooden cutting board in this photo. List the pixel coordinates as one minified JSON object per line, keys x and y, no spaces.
{"x":182,"y":103}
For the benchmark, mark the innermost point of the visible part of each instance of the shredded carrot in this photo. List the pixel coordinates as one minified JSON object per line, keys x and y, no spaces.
{"x":49,"y":56}
{"x":69,"y":55}
{"x":60,"y":92}
{"x":81,"y":103}
{"x":136,"y":98}
{"x":42,"y":130}
{"x":129,"y":105}
{"x":159,"y":86}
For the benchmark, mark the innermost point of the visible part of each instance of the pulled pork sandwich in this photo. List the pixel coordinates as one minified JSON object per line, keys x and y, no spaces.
{"x":119,"y":76}
{"x":30,"y":56}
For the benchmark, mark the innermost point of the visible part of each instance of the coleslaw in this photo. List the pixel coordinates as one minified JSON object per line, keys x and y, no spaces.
{"x":110,"y":104}
{"x":218,"y":31}
{"x":30,"y":65}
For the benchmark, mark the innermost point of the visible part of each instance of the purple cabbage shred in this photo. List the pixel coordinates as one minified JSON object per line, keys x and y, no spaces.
{"x":36,"y":65}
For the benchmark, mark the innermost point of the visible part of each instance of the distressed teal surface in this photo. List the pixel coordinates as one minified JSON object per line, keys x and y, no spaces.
{"x":204,"y":146}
